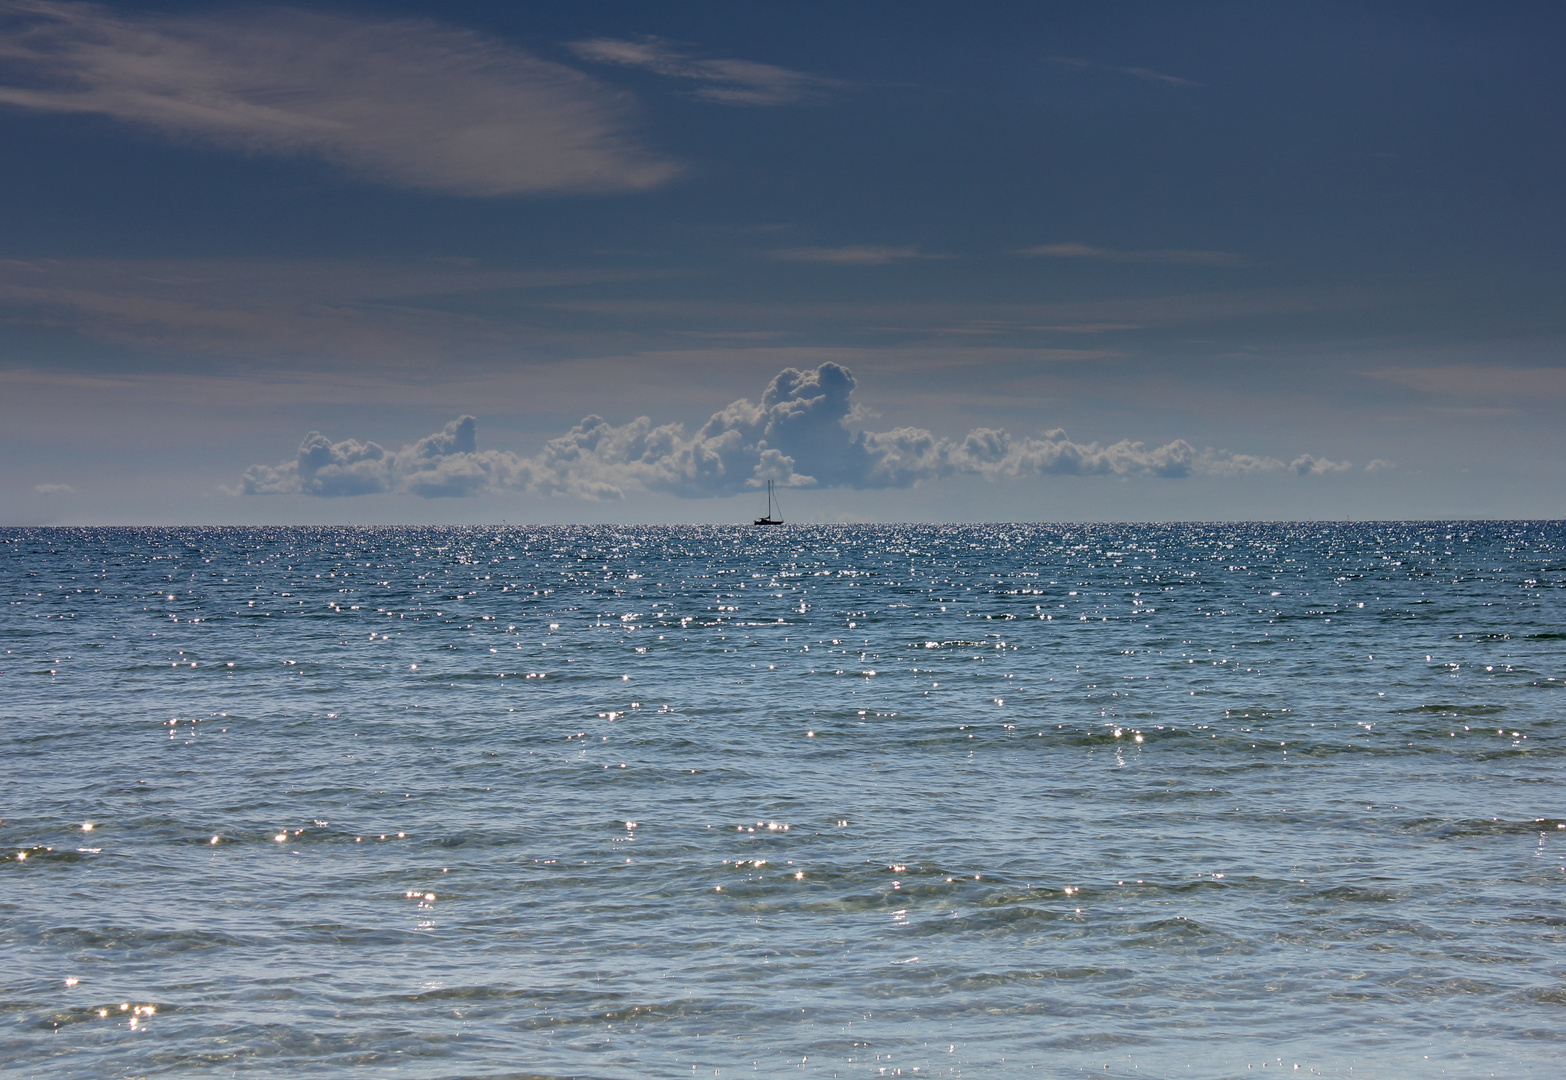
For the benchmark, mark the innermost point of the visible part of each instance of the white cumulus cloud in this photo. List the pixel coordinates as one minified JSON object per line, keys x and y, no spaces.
{"x":801,"y":434}
{"x":409,"y":103}
{"x":447,"y":463}
{"x":1310,"y":465}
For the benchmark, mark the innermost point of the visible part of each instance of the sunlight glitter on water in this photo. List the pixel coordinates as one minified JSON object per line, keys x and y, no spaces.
{"x":1266,"y":812}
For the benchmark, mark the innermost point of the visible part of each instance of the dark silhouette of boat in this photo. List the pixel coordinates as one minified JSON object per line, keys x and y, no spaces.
{"x":769,"y":519}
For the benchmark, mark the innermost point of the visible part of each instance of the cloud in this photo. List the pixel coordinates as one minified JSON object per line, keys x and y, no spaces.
{"x":857,"y":255}
{"x":1535,"y":385}
{"x":54,"y":489}
{"x":722,"y":82}
{"x":408,"y":103}
{"x":1309,"y":465}
{"x":1172,"y":256}
{"x":1377,"y":464}
{"x":387,"y":312}
{"x":1136,"y":72}
{"x":445,"y":464}
{"x":800,"y":434}
{"x":345,"y":313}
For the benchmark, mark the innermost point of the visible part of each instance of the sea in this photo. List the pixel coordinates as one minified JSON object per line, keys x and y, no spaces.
{"x":1012,"y":800}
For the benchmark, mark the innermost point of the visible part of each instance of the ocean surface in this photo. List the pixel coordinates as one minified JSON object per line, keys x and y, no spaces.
{"x":980,"y":801}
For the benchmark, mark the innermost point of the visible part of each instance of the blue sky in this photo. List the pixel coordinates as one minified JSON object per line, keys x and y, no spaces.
{"x":910,"y":261}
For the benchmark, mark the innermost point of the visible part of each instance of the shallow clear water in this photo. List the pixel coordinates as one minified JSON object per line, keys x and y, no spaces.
{"x":821,"y":801}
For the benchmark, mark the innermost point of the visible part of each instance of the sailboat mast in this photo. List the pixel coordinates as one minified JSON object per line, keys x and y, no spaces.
{"x":769,"y":519}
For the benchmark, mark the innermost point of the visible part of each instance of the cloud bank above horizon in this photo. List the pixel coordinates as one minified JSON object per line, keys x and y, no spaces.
{"x":801,"y":434}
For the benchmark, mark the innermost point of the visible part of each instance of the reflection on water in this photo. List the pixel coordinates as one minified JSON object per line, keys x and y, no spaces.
{"x":867,"y":801}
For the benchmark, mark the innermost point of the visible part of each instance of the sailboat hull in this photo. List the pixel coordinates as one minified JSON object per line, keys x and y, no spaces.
{"x":769,"y":519}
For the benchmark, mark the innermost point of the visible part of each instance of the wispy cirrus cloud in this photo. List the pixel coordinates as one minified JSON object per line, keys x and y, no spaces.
{"x":722,"y":82}
{"x":1143,"y":73}
{"x":852,"y":255}
{"x":801,"y":433}
{"x":1170,"y":256}
{"x":407,"y":103}
{"x":348,"y":309}
{"x":1480,"y":381}
{"x":54,"y":489}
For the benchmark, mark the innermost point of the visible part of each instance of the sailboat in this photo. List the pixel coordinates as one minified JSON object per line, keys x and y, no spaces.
{"x":769,"y":519}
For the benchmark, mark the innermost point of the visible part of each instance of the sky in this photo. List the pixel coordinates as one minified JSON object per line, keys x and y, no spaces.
{"x":480,"y":261}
